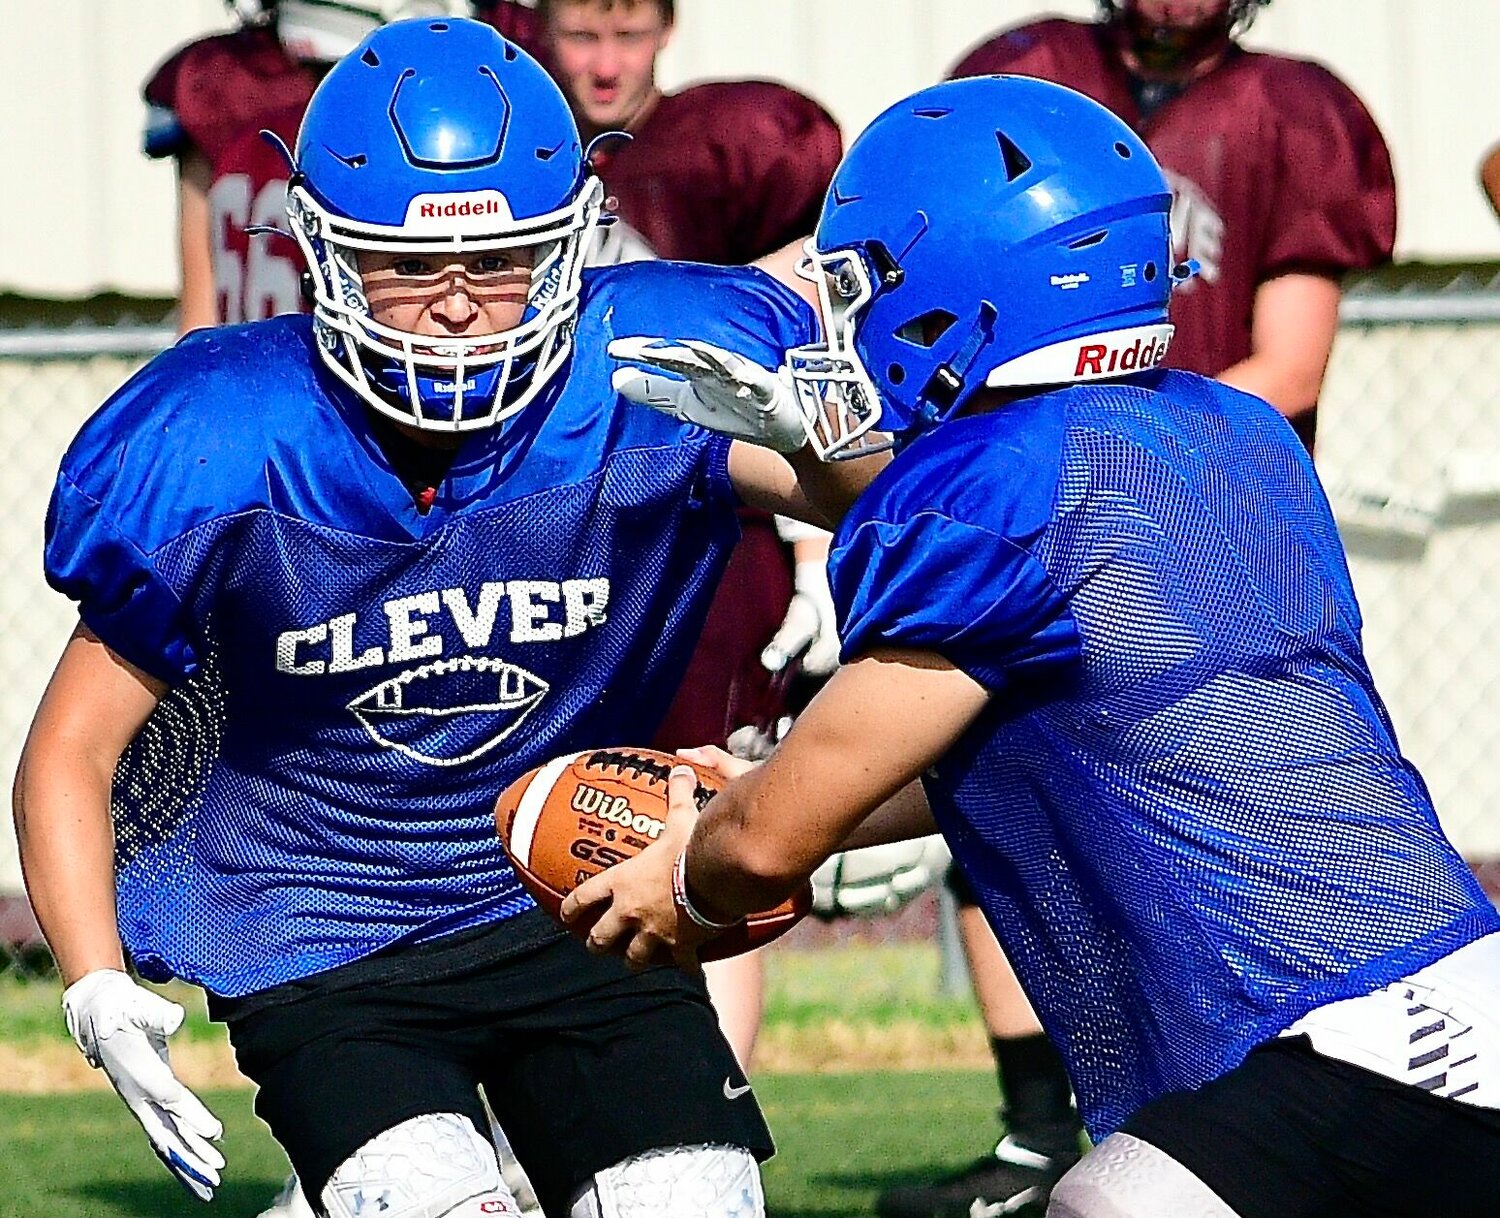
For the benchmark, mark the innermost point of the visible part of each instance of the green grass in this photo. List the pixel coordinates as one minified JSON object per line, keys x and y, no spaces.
{"x":83,"y":1156}
{"x":840,"y":1140}
{"x":878,"y":985}
{"x":32,"y":1010}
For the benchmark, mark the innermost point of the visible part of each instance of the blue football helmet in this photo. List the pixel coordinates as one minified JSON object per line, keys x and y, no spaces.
{"x":996,"y":231}
{"x":439,"y":136}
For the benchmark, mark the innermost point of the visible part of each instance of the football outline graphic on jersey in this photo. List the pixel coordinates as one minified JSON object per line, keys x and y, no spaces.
{"x":468,"y":705}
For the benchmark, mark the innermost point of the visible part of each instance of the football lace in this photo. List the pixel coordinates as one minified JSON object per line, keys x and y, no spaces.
{"x":642,"y":767}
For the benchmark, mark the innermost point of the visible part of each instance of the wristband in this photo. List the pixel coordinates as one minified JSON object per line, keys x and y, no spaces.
{"x":680,"y":897}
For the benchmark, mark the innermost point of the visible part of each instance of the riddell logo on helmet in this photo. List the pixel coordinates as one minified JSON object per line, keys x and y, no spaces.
{"x":1101,"y":359}
{"x":473,"y":211}
{"x":469,"y":207}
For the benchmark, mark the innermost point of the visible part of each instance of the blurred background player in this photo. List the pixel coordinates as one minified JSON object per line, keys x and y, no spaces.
{"x":1281,"y":185}
{"x":727,"y":173}
{"x":724,"y":172}
{"x":1281,"y":180}
{"x":355,"y":923}
{"x":206,"y":104}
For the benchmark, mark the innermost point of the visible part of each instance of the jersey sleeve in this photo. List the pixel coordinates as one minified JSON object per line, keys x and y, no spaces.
{"x":965,"y":592}
{"x":121,"y":596}
{"x":1337,"y":203}
{"x":209,"y":91}
{"x":742,"y":309}
{"x":111,"y":515}
{"x":164,"y":134}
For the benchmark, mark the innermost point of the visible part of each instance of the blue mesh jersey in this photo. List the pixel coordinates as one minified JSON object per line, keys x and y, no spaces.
{"x":355,"y":682}
{"x":1184,"y":807}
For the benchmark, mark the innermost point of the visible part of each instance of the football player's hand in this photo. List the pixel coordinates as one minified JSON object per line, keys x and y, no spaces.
{"x":722,"y":762}
{"x":122,"y":1029}
{"x":869,"y":881}
{"x":809,"y":631}
{"x":718,"y":389}
{"x":631,"y":909}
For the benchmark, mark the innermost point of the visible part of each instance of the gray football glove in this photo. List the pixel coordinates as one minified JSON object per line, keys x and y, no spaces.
{"x":718,"y":389}
{"x":122,"y":1029}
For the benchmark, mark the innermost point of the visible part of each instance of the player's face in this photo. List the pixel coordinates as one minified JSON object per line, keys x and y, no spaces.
{"x":1172,"y":39}
{"x":604,"y":56}
{"x":444,"y":295}
{"x":1180,"y":14}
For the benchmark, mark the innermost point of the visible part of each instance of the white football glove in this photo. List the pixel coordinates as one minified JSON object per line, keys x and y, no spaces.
{"x":810,"y":628}
{"x":875,"y":880}
{"x":122,"y":1028}
{"x":719,"y":390}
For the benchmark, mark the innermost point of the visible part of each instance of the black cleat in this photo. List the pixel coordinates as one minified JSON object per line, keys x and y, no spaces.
{"x":1012,"y":1180}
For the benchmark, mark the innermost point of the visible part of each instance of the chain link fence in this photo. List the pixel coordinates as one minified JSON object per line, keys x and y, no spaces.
{"x":1409,"y":448}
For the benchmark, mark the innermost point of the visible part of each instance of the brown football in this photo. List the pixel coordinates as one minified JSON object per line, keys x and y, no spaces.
{"x":577,"y":815}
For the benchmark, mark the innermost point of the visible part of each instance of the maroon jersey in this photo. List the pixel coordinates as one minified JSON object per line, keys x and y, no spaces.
{"x":1275,"y":167}
{"x":206,"y":93}
{"x":514,"y":21}
{"x":214,"y":95}
{"x":724,"y":172}
{"x":256,"y":275}
{"x":727,"y":173}
{"x":725,"y":686}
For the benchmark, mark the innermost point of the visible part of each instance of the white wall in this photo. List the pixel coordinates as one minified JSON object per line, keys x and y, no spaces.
{"x":83,"y":211}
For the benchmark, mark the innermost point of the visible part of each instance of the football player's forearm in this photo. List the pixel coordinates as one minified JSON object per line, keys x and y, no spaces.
{"x":734,"y":869}
{"x":67,"y":857}
{"x":831,"y":487}
{"x":1293,"y":390}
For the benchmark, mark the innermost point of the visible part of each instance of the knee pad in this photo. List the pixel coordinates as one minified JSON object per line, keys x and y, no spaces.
{"x":676,"y":1182}
{"x":436,"y":1165}
{"x":1124,"y":1177}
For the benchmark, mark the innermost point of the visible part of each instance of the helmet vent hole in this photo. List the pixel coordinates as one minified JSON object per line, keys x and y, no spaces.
{"x":546,"y":154}
{"x":933,"y":112}
{"x":896,"y":374}
{"x":439,"y":27}
{"x":1150,"y":272}
{"x":1123,"y":149}
{"x":1088,"y":242}
{"x":509,"y":53}
{"x":369,"y":57}
{"x":926,"y":330}
{"x":1016,"y":161}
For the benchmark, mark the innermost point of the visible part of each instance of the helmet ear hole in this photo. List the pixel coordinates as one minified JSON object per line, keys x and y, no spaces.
{"x":896,"y":374}
{"x":926,"y":329}
{"x":1150,"y":272}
